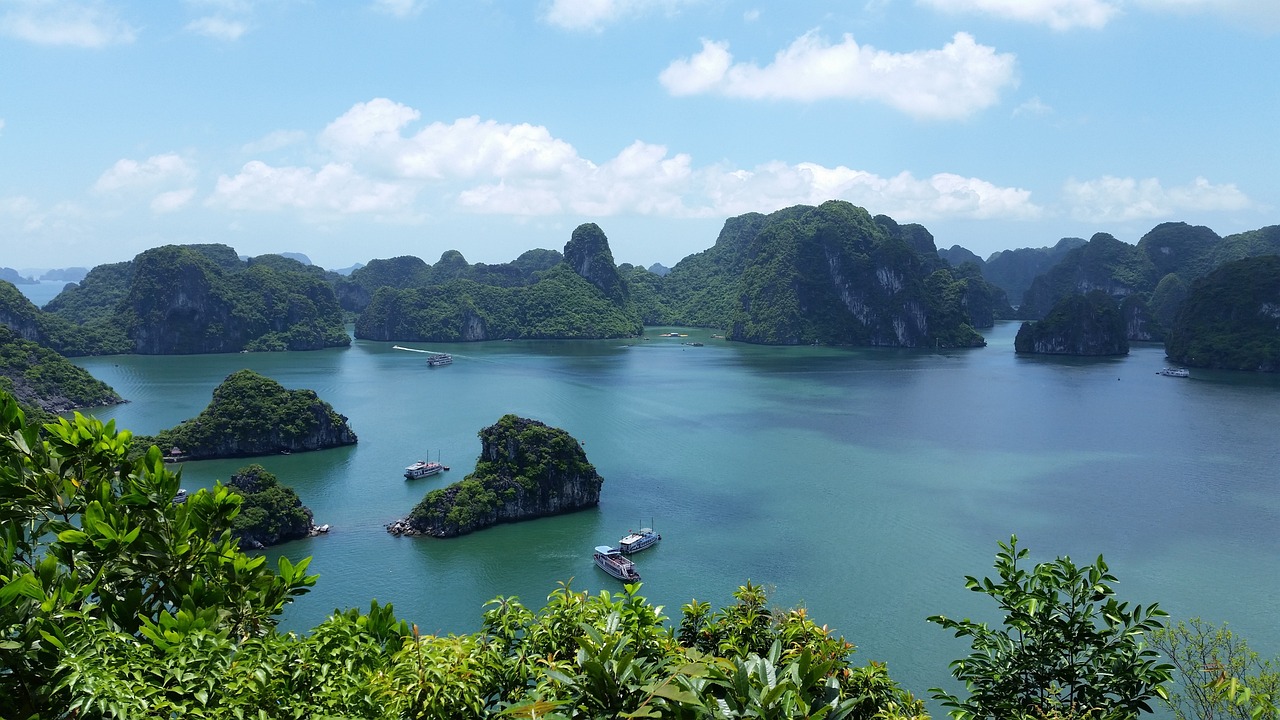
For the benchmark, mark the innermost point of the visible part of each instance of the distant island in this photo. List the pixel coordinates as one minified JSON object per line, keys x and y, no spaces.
{"x":831,"y":274}
{"x":1231,"y":319}
{"x":526,"y":470}
{"x":1085,"y":325}
{"x":254,"y":415}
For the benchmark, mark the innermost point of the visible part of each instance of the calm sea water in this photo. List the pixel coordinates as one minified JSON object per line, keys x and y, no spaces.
{"x":863,"y":484}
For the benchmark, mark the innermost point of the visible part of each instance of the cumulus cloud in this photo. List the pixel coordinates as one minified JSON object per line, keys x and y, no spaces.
{"x":1110,"y":199}
{"x":172,"y":201}
{"x":1057,"y":14}
{"x":155,"y":171}
{"x":88,"y":24}
{"x":380,"y":163}
{"x":954,"y":81}
{"x":595,"y":14}
{"x":334,"y":188}
{"x":466,"y":148}
{"x":218,"y":28}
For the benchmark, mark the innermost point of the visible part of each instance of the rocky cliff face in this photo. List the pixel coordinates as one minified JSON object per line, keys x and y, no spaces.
{"x":587,"y":252}
{"x":1078,"y":325}
{"x":526,"y":470}
{"x":254,"y":415}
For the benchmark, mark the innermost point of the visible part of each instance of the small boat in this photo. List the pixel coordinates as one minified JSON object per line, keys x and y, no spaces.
{"x":180,"y":497}
{"x":1175,"y":372}
{"x":638,"y":540}
{"x":423,"y":468}
{"x":438,"y":359}
{"x":613,"y":562}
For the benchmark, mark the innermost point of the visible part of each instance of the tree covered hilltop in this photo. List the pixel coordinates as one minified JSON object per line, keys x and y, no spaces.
{"x":254,"y":415}
{"x":526,"y":470}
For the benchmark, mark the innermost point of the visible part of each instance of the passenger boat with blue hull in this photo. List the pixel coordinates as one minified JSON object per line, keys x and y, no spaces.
{"x":612,"y":561}
{"x":638,"y":540}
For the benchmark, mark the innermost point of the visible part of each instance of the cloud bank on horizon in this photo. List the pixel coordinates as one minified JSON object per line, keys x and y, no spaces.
{"x":404,"y":127}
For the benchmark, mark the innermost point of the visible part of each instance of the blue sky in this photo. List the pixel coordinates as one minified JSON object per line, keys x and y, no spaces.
{"x":358,"y":130}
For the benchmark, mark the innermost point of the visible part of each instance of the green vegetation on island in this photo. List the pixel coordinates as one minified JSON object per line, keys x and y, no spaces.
{"x":1090,"y":324}
{"x":116,"y":602}
{"x":45,"y":383}
{"x":1231,"y":318}
{"x":182,"y":299}
{"x":526,"y":470}
{"x":270,"y":513}
{"x":580,"y":296}
{"x":254,"y":415}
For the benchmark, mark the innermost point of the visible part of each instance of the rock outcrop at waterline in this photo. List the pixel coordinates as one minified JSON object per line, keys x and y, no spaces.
{"x":254,"y":415}
{"x":526,"y":470}
{"x":1089,"y":324}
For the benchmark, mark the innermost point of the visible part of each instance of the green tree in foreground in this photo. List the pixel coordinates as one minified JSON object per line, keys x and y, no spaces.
{"x":1068,"y":647}
{"x":117,"y":603}
{"x":1209,"y":661}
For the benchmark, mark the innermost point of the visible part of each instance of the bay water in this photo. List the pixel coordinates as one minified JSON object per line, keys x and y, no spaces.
{"x":862,"y":484}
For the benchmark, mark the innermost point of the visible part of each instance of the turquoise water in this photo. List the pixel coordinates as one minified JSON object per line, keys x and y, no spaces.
{"x":861,"y":483}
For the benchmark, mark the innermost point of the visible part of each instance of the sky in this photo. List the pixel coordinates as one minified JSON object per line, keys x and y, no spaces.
{"x":366,"y":129}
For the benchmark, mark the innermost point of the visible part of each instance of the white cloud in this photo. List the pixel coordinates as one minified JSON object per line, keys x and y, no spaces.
{"x":751,"y":15}
{"x":218,"y":28}
{"x":955,"y":81}
{"x":155,"y":171}
{"x":465,"y":148}
{"x":398,"y":8}
{"x":595,"y":14}
{"x":380,"y":164}
{"x":1033,"y":107}
{"x":88,"y":24}
{"x":334,"y":188}
{"x":1057,"y":14}
{"x":172,"y":201}
{"x":1,"y":125}
{"x":903,"y":196}
{"x":1109,"y":199}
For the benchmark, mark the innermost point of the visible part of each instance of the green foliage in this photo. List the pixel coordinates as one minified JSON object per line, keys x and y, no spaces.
{"x":1015,"y":270}
{"x":833,"y":275}
{"x":561,"y":304}
{"x":95,"y":556}
{"x":254,"y":415}
{"x":1067,"y":645}
{"x":45,"y":382}
{"x":178,"y":299}
{"x":1104,"y":263}
{"x":1208,"y":660}
{"x":1231,"y":318}
{"x":1167,"y":299}
{"x":270,"y":513}
{"x":520,"y":458}
{"x":1089,"y":324}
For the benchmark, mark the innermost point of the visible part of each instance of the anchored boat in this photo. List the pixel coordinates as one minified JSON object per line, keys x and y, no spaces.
{"x":638,"y":540}
{"x":612,"y":561}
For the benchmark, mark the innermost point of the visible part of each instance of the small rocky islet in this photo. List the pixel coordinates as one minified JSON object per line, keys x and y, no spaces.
{"x":526,"y":470}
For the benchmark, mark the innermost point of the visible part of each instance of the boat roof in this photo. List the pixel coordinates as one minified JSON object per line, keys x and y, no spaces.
{"x":605,"y":549}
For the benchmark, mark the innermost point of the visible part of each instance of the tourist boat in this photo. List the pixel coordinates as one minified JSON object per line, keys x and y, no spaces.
{"x":638,"y":540}
{"x":613,"y":562}
{"x":1176,"y":372}
{"x":423,"y":468}
{"x":438,"y":359}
